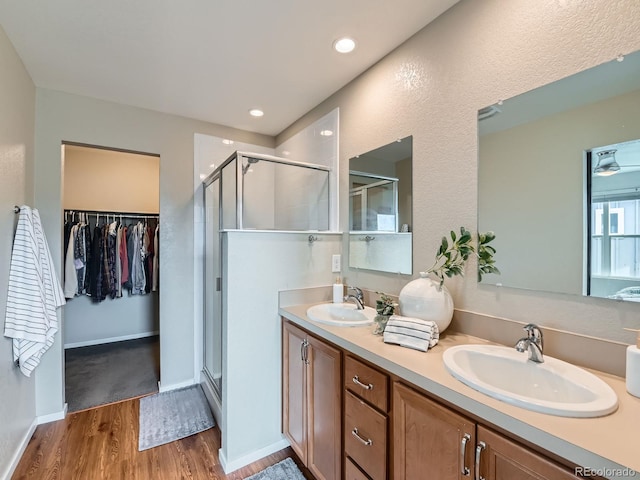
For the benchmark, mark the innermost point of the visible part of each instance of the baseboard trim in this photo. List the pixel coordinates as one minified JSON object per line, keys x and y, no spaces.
{"x":175,"y":386}
{"x":53,"y":417}
{"x":15,"y":460}
{"x":245,"y":460}
{"x":100,"y":341}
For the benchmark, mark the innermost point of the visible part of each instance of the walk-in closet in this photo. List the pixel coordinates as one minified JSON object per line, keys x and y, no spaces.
{"x":111,"y":270}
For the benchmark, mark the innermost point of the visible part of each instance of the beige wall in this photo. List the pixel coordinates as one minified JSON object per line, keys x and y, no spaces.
{"x":432,"y":87}
{"x":17,"y":101}
{"x":99,"y":179}
{"x":63,"y":117}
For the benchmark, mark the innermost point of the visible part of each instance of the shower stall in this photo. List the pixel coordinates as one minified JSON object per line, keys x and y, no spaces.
{"x":256,"y":192}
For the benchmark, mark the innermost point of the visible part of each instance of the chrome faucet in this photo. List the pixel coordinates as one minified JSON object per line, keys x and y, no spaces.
{"x":357,"y":297}
{"x":533,"y":342}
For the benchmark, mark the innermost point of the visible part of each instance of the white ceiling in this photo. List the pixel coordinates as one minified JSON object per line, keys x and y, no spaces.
{"x":211,"y":60}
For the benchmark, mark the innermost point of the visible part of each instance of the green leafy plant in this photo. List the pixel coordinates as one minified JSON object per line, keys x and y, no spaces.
{"x":452,"y":255}
{"x":454,"y":252}
{"x":385,"y":304}
{"x":486,"y":262}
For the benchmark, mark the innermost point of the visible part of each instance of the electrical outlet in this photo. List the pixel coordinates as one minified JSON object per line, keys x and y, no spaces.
{"x":336,"y":262}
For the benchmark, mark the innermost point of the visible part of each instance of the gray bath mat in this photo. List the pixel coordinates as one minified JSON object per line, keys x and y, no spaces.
{"x":173,"y":415}
{"x":284,"y":470}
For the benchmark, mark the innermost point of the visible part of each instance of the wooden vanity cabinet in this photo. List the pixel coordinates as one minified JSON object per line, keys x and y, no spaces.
{"x":504,"y":459}
{"x":400,"y":432}
{"x":312,"y":401}
{"x":366,"y":422}
{"x":429,"y":437}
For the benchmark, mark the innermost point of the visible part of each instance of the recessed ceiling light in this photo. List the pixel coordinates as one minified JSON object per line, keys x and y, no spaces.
{"x":203,"y":176}
{"x":256,"y":112}
{"x":286,"y":152}
{"x":326,"y":133}
{"x":212,"y":165}
{"x":226,"y":141}
{"x":344,"y":45}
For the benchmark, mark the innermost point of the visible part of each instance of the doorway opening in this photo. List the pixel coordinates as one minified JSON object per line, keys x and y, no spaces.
{"x":111,"y":269}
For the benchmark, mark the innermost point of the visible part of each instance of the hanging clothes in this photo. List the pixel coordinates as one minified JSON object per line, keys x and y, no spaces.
{"x":95,"y":275}
{"x":156,"y":263}
{"x":70,"y":274}
{"x":138,"y":280}
{"x":122,"y":271}
{"x":80,"y":257}
{"x":110,"y":285}
{"x":113,"y":258}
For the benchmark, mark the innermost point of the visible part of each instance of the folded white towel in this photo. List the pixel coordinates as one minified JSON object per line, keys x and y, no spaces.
{"x":411,"y":332}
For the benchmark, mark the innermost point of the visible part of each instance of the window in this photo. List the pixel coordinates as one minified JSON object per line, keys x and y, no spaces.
{"x":615,"y":238}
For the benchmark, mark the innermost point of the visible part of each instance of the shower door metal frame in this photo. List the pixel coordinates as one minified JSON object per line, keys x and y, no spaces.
{"x":216,"y":175}
{"x":273,"y":159}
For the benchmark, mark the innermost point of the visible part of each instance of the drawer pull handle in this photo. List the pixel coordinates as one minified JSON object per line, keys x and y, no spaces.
{"x":304,"y":351}
{"x":463,"y":454}
{"x":357,"y":381}
{"x":355,"y":433}
{"x":481,"y":446}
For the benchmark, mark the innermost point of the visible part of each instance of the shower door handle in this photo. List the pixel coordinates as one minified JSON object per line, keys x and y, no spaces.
{"x":218,"y":284}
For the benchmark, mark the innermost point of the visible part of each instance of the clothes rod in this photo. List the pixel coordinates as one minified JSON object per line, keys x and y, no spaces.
{"x":112,"y":214}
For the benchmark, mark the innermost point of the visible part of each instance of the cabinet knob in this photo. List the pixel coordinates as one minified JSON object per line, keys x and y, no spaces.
{"x":365,"y":441}
{"x":357,"y":381}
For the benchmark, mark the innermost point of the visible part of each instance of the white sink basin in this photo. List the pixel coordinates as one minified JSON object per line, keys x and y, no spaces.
{"x":342,"y":314}
{"x":554,"y":387}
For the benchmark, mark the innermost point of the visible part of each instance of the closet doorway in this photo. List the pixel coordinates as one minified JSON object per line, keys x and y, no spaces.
{"x":111,"y":269}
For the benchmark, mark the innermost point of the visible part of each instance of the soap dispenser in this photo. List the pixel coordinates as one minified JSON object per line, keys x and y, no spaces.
{"x":338,"y":291}
{"x":633,"y":366}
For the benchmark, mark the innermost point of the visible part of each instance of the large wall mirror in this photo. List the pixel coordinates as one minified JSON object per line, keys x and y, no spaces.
{"x":380,"y":208}
{"x":559,"y":184}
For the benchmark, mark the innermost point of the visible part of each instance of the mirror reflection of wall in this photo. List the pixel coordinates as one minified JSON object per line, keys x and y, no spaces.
{"x":533,"y":173}
{"x":380,"y":208}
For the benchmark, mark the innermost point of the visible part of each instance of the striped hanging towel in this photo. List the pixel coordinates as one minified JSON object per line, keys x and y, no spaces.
{"x":411,"y":332}
{"x":33,"y":295}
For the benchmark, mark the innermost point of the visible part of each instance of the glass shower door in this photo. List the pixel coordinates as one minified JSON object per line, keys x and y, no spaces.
{"x":212,"y":342}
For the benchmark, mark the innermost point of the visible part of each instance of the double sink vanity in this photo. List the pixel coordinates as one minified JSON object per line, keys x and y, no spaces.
{"x":357,"y":408}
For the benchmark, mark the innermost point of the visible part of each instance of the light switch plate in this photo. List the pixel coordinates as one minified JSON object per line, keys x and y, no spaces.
{"x":336,"y":263}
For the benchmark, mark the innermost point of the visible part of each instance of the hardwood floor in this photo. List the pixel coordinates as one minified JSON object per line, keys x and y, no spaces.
{"x":102,"y":443}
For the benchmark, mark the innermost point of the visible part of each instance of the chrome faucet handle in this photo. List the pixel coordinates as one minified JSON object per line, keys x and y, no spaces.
{"x":535,"y":334}
{"x":358,"y":291}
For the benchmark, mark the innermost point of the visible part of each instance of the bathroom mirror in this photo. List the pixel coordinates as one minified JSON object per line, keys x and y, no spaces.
{"x":538,"y":153}
{"x":380,"y":208}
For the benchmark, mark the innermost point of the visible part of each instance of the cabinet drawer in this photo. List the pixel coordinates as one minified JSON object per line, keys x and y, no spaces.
{"x":351,"y":472}
{"x":365,"y":436}
{"x":367,"y":382}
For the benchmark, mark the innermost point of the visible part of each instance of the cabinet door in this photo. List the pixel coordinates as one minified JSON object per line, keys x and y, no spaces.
{"x":429,"y":440}
{"x":324,"y":404}
{"x":503,"y":459}
{"x":294,"y":409}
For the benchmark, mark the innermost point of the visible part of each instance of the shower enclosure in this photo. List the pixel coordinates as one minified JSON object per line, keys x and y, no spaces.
{"x":252,"y":192}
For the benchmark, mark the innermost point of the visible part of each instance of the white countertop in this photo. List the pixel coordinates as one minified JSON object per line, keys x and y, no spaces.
{"x":611,"y":442}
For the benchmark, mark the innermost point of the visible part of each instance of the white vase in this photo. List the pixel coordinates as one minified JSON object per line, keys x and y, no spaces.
{"x":424,"y":298}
